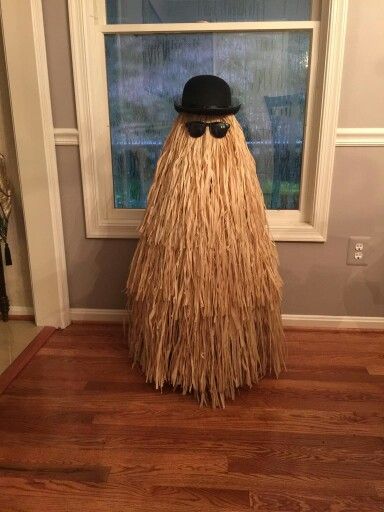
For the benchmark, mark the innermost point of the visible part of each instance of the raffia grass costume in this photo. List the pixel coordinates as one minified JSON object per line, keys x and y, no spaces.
{"x":204,"y":292}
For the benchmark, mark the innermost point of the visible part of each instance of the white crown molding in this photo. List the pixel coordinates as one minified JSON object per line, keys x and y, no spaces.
{"x":304,"y":321}
{"x":360,"y":137}
{"x":66,"y":136}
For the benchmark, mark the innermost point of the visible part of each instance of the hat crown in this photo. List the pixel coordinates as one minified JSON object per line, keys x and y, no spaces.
{"x":207,"y":95}
{"x":206,"y":91}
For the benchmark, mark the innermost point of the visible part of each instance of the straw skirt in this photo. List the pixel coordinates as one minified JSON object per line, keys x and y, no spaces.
{"x":204,"y":291}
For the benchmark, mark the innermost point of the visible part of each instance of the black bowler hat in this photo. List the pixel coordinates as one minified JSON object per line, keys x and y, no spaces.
{"x":207,"y":95}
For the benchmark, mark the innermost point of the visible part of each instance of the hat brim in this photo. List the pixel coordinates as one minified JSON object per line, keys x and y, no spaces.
{"x":207,"y":111}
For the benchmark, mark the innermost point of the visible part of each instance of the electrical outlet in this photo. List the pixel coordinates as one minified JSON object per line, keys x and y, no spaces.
{"x":358,"y":249}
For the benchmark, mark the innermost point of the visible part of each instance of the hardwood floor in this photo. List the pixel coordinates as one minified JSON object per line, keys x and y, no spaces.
{"x":80,"y":430}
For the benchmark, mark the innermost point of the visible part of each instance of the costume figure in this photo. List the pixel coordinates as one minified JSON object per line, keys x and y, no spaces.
{"x":204,"y":292}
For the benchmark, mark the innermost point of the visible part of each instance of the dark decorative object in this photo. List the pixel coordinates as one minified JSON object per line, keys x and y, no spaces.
{"x":5,"y":210}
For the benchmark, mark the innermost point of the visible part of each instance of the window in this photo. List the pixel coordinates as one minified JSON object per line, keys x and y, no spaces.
{"x":131,"y":60}
{"x":268,"y":72}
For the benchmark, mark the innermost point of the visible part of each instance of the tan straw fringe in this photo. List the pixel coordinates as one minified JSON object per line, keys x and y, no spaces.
{"x":204,"y":292}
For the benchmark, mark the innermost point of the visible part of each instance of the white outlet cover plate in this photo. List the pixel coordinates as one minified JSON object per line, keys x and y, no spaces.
{"x":352,"y":241}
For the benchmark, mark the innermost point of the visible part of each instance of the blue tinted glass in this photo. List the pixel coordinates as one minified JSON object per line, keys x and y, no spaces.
{"x":268,"y":73}
{"x":189,"y":11}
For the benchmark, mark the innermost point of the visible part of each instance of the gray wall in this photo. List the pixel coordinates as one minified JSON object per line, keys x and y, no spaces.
{"x":317,"y":279}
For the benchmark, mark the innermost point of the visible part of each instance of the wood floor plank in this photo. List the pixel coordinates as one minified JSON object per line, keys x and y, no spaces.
{"x":331,"y":374}
{"x":20,"y":503}
{"x":201,"y":498}
{"x":333,"y":335}
{"x":335,"y":347}
{"x":286,"y":502}
{"x":320,"y":466}
{"x":42,"y":440}
{"x":221,"y":440}
{"x":62,"y":473}
{"x":322,"y":360}
{"x":235,"y":417}
{"x":140,"y":394}
{"x":108,"y":352}
{"x":256,"y":483}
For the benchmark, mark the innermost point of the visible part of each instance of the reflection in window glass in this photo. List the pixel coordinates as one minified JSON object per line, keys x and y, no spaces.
{"x":267,"y":72}
{"x":190,"y":11}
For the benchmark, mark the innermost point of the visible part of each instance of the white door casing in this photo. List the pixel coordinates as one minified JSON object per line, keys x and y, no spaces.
{"x":25,"y":54}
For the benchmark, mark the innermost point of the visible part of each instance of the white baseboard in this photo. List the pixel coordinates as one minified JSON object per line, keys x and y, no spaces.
{"x":97,"y":315}
{"x":307,"y":321}
{"x":335,"y":322}
{"x":21,"y":311}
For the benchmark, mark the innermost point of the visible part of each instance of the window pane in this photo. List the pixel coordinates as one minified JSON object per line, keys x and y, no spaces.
{"x":189,"y":11}
{"x":268,"y":73}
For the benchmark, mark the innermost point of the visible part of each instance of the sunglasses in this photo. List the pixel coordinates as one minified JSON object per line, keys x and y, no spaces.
{"x":217,"y":129}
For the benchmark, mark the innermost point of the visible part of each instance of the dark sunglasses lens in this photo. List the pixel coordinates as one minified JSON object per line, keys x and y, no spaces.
{"x":195,"y":128}
{"x":219,"y":130}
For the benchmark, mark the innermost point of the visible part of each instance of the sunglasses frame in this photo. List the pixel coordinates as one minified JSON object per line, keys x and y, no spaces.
{"x":214,"y":123}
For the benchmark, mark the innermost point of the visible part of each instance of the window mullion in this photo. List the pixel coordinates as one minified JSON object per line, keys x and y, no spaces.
{"x":206,"y":27}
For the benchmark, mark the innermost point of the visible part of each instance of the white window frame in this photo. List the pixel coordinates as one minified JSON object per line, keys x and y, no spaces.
{"x":103,"y":220}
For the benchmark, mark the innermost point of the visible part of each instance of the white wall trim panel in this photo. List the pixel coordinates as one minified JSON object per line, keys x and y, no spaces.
{"x":360,"y":137}
{"x":344,"y":136}
{"x":66,"y":136}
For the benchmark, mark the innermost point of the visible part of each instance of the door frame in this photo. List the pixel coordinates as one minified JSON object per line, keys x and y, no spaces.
{"x":26,"y":61}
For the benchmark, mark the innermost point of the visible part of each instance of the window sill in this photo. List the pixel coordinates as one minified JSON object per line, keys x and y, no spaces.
{"x":285,"y":226}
